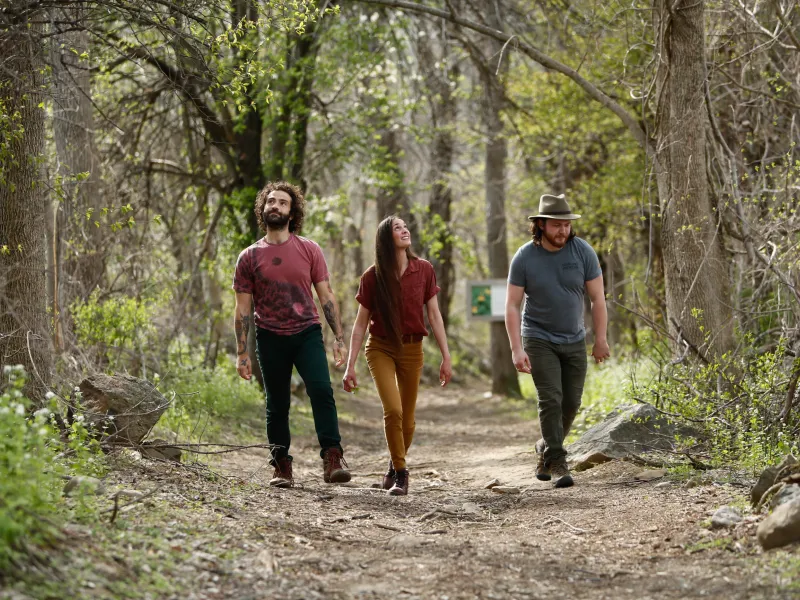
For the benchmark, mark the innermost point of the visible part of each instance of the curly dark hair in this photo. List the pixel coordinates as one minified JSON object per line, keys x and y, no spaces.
{"x":297,"y":212}
{"x":537,"y":230}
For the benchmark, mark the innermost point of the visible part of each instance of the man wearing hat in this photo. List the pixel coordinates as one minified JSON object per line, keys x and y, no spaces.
{"x":553,"y":272}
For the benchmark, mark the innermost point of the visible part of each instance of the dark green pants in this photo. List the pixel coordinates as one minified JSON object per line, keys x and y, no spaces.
{"x":277,"y":354}
{"x":559,"y":372}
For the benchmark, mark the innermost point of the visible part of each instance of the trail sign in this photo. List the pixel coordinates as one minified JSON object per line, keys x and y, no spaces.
{"x":486,"y":299}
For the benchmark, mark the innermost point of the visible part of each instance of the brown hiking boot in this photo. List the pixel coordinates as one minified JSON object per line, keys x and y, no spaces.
{"x":561,"y":476}
{"x":334,"y":466}
{"x":542,"y":470}
{"x":388,"y":479}
{"x":400,"y":487}
{"x":282,"y":476}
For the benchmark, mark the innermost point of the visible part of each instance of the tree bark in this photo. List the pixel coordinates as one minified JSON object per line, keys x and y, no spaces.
{"x":696,"y":267}
{"x":504,"y":375}
{"x":24,"y":331}
{"x":78,"y":261}
{"x":444,"y":110}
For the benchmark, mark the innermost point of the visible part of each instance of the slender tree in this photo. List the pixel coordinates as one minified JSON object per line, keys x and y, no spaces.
{"x":24,"y":332}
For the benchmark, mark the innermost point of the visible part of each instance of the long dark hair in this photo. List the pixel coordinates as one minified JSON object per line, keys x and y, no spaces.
{"x":387,"y":273}
{"x":297,"y":212}
{"x":536,"y":228}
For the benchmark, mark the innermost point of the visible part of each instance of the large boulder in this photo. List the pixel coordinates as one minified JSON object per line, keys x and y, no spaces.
{"x":626,"y":430}
{"x":124,"y":408}
{"x":782,"y":527}
{"x":771,"y":475}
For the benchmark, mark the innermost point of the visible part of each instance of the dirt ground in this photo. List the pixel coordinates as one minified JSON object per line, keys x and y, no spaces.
{"x":608,"y":537}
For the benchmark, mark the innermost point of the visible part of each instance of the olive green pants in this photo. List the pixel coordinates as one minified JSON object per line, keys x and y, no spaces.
{"x":559,"y":372}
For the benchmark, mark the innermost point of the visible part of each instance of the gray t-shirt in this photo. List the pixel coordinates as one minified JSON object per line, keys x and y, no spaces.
{"x":554,"y":285}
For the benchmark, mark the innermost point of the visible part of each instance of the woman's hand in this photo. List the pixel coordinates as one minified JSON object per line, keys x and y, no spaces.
{"x":445,"y":371}
{"x":349,"y":381}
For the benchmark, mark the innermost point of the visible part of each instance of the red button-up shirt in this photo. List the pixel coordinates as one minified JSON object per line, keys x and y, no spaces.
{"x":417,"y":286}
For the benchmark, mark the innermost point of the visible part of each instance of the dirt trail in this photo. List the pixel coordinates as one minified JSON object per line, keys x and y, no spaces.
{"x":607,"y":537}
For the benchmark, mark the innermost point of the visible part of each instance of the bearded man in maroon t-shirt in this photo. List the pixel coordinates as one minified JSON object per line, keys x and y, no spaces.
{"x":277,"y":274}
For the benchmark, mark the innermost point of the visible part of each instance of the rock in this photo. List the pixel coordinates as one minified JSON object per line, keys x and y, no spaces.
{"x":787,"y":493}
{"x":82,"y":484}
{"x":161,"y":451}
{"x":769,"y":477}
{"x":505,"y":489}
{"x":494,"y":482}
{"x":725,"y":516}
{"x":650,"y":475}
{"x":663,"y":484}
{"x":125,"y":408}
{"x":153,"y":453}
{"x":765,"y":481}
{"x":781,"y":527}
{"x":788,"y":461}
{"x":131,"y":454}
{"x":470,"y":508}
{"x":625,"y":430}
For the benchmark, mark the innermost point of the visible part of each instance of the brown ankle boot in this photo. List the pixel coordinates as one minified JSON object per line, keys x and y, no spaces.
{"x":388,"y":478}
{"x":400,"y":487}
{"x":334,"y":467}
{"x":542,"y":470}
{"x":282,"y":476}
{"x":561,"y":475}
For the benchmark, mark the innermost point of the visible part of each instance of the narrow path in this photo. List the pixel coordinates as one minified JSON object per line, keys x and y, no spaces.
{"x":607,"y":537}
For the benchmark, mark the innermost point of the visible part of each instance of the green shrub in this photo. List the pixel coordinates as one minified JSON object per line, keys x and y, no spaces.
{"x":30,"y":475}
{"x":205,"y":399}
{"x":34,"y":463}
{"x":735,"y":402}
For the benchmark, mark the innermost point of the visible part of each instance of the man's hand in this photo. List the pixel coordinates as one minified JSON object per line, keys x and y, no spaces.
{"x":349,"y":381}
{"x":445,"y":372}
{"x":600,"y":351}
{"x":338,"y":352}
{"x":244,"y":367}
{"x":521,"y":361}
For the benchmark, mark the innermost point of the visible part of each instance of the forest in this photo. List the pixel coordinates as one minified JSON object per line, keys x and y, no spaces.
{"x":135,"y":136}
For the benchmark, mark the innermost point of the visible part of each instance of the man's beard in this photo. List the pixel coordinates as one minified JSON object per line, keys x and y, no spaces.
{"x":276,"y":221}
{"x":553,"y":242}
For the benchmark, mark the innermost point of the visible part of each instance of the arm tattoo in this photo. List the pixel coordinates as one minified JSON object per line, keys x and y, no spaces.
{"x":333,"y":320}
{"x":242,"y":325}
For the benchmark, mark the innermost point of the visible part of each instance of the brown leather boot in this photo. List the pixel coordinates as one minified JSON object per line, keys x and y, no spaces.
{"x":282,"y":476}
{"x":388,"y":479}
{"x":334,"y":467}
{"x":542,"y":470}
{"x":561,"y":475}
{"x":400,"y":487}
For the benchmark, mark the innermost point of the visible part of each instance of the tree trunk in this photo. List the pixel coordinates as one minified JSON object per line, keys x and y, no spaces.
{"x":696,"y":268}
{"x":392,"y":198}
{"x":24,"y":331}
{"x":444,"y":111}
{"x":78,"y":262}
{"x":504,"y":375}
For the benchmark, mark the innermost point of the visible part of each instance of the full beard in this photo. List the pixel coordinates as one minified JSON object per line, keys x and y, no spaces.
{"x":276,"y":221}
{"x":557,"y":242}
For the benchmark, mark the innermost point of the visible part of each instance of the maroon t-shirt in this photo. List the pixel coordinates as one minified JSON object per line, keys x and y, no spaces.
{"x":417,"y":286}
{"x":280,"y":276}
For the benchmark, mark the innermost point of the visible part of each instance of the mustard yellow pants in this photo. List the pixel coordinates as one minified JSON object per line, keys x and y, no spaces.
{"x":396,"y":370}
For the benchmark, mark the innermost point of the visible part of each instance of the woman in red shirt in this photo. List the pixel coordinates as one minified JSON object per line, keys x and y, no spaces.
{"x":391,"y":296}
